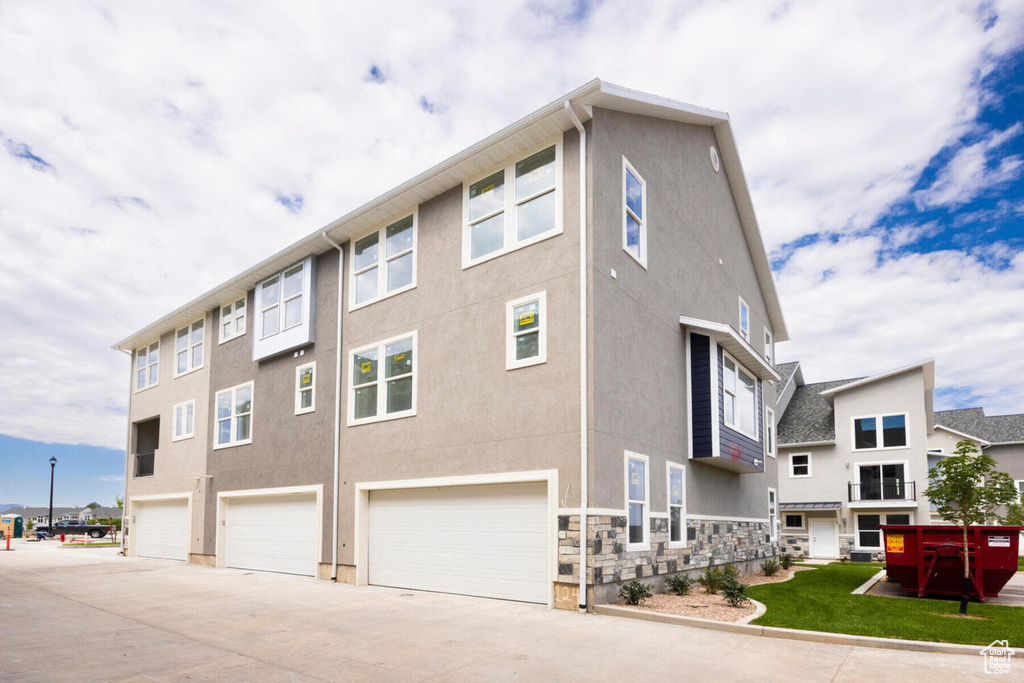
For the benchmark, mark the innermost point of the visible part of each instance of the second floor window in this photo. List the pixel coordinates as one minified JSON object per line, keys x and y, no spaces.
{"x":232,"y":320}
{"x":283,"y":310}
{"x":526,"y":331}
{"x":384,"y":262}
{"x":188,"y":348}
{"x":800,"y":465}
{"x":305,"y":388}
{"x":512,"y":207}
{"x":740,"y":397}
{"x":881,"y":431}
{"x":184,"y":421}
{"x":234,"y":416}
{"x":147,"y":366}
{"x":383,"y":385}
{"x":634,"y":213}
{"x":744,"y":319}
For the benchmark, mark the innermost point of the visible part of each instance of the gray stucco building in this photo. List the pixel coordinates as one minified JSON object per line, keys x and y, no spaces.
{"x":564,"y":332}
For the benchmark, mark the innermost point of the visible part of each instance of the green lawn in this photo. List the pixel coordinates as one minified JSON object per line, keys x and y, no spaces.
{"x":820,"y":600}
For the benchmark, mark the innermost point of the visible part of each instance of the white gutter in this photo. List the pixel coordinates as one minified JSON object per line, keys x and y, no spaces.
{"x":337,"y":407}
{"x":128,"y":445}
{"x":584,"y":367}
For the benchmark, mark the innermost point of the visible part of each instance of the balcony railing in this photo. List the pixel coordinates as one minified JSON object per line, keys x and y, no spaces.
{"x":144,"y":464}
{"x":899,"y":491}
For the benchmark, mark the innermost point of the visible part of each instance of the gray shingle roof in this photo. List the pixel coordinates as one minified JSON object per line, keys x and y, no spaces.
{"x":809,"y":417}
{"x":29,"y":513}
{"x":973,"y":421}
{"x":786,"y":370}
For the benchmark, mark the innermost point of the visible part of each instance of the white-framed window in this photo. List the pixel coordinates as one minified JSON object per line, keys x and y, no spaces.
{"x":773,"y":513}
{"x":513,"y":206}
{"x":793,"y":520}
{"x":305,"y":388}
{"x":383,"y":262}
{"x":283,"y":310}
{"x":188,"y":348}
{"x":232,"y":320}
{"x":880,"y":432}
{"x":740,"y":397}
{"x":769,"y":432}
{"x":385,"y":392}
{"x":234,"y":416}
{"x":1020,"y":489}
{"x":676,"y":505}
{"x":183,"y":426}
{"x":769,"y":346}
{"x":869,"y":533}
{"x":744,"y":319}
{"x":882,"y":481}
{"x":634,"y":213}
{"x":526,"y":331}
{"x":799,"y":465}
{"x":147,"y":366}
{"x":638,"y":509}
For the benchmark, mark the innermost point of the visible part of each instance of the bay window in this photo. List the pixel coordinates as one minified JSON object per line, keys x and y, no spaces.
{"x":739,"y":397}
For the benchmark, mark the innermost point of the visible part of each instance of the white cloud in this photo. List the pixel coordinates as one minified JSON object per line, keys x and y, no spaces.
{"x":169,"y":131}
{"x":110,"y":477}
{"x":973,"y":170}
{"x":856,"y":312}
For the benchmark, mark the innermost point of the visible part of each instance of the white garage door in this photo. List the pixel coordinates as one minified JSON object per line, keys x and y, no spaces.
{"x":161,"y":529}
{"x":272,"y":533}
{"x":490,"y":541}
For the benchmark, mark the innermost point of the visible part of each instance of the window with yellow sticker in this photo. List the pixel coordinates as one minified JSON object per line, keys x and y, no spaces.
{"x":383,"y":391}
{"x":526,"y":331}
{"x":305,"y":388}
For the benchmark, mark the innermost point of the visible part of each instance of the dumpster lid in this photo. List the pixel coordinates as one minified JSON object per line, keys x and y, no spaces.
{"x":810,"y":506}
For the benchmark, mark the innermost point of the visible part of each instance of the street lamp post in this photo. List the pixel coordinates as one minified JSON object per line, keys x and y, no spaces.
{"x":53,"y":464}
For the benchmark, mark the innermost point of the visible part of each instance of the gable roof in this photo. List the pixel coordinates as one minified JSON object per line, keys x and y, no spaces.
{"x":544,"y":123}
{"x":809,"y":417}
{"x":928,"y":366}
{"x":786,"y":372}
{"x":996,"y":429}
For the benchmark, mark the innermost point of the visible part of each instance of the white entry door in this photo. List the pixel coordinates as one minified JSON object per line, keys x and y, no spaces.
{"x":491,"y":541}
{"x":824,"y":539}
{"x":161,"y":529}
{"x":276,"y":533}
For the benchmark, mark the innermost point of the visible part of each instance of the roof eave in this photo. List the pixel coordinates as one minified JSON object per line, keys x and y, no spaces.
{"x":731,"y":341}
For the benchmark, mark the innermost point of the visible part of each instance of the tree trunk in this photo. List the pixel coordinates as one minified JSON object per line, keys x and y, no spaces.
{"x":965,"y":597}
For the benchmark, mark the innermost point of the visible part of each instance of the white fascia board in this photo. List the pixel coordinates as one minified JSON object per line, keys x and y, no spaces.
{"x":929,"y":378}
{"x":731,"y":341}
{"x":966,"y":436}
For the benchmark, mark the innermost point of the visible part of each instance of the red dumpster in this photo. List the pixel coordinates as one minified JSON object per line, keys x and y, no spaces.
{"x":929,"y":559}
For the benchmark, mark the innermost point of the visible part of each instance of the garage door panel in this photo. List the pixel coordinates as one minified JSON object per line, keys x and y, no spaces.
{"x":272,"y":533}
{"x":491,"y":541}
{"x":161,"y":529}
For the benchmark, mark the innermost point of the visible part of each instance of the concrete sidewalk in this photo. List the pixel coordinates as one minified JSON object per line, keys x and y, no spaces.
{"x":87,"y":614}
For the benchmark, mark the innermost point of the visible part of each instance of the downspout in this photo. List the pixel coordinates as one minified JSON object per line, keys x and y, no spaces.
{"x":584,"y":367}
{"x":337,"y":407}
{"x":127,"y":446}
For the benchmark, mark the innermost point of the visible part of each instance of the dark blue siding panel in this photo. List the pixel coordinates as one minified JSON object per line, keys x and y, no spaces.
{"x":700,"y":395}
{"x":734,"y":445}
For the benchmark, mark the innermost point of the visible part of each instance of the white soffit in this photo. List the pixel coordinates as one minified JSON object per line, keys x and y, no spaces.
{"x":737,"y":346}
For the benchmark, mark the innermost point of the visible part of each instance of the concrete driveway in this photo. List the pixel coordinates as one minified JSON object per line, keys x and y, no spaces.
{"x":87,"y":614}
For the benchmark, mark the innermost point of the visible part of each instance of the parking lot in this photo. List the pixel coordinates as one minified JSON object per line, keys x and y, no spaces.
{"x":89,"y":615}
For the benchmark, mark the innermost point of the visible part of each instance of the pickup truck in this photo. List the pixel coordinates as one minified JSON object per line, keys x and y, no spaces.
{"x":73,"y":526}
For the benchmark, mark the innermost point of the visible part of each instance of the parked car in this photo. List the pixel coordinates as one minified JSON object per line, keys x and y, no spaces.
{"x":72,"y":526}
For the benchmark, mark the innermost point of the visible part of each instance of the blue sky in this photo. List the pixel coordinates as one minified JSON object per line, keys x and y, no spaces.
{"x":181,"y":144}
{"x":83,"y":474}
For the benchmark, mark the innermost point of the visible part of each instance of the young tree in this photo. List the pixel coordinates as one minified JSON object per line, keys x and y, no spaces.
{"x":966,"y":489}
{"x":120,"y":502}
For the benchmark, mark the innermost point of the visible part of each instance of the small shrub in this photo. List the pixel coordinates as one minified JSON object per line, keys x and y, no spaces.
{"x":770,"y":568}
{"x":679,"y":584}
{"x":711,"y":579}
{"x":802,"y":557}
{"x":735,"y":592}
{"x":729,"y":572}
{"x":785,"y":560}
{"x":633,"y":592}
{"x":29,"y":524}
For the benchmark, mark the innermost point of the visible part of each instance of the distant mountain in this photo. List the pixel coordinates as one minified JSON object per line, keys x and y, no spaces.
{"x":4,"y":507}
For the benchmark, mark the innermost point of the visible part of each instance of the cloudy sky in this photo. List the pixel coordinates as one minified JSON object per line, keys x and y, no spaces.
{"x":150,"y":151}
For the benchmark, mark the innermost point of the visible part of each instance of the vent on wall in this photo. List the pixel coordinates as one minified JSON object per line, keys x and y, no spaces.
{"x":716,"y":163}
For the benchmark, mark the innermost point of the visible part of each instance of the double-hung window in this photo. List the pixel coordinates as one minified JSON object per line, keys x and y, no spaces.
{"x":383,"y":390}
{"x":384,"y":262}
{"x":769,"y":432}
{"x":305,"y":388}
{"x":1020,"y":490}
{"x":773,"y":514}
{"x":799,"y":465}
{"x":184,"y":421}
{"x":526,"y":331}
{"x":232,"y":320}
{"x":880,"y":431}
{"x":676,"y":506}
{"x":514,"y":206}
{"x":634,"y":213}
{"x":637,"y":497}
{"x":188,"y":347}
{"x":869,"y":533}
{"x":769,"y":347}
{"x":147,"y":366}
{"x":281,"y":304}
{"x":740,"y":397}
{"x":744,"y":319}
{"x":234,"y":416}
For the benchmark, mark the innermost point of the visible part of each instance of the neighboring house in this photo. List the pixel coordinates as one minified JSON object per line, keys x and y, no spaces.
{"x":41,"y":515}
{"x":99,"y":513}
{"x":853,"y":455}
{"x":409,"y":396}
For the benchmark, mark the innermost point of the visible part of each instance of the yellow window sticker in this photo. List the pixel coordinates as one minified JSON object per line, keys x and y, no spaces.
{"x":365,"y":367}
{"x":894,"y":543}
{"x":399,"y":357}
{"x":636,"y":479}
{"x":526,"y":319}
